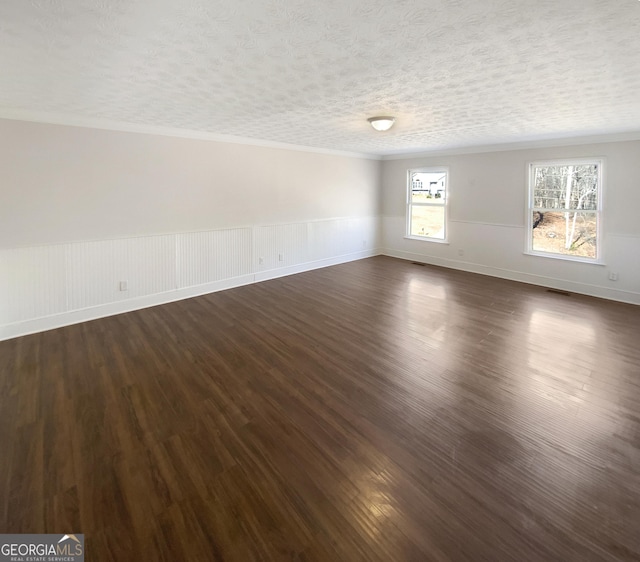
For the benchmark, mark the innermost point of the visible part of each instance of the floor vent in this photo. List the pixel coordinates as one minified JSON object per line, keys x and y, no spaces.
{"x":559,"y":292}
{"x":418,"y":263}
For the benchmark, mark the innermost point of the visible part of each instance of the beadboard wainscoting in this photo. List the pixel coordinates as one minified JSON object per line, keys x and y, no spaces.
{"x":498,"y":250}
{"x":50,"y":286}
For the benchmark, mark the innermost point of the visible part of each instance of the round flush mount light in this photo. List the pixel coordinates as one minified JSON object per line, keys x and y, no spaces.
{"x":382,"y":123}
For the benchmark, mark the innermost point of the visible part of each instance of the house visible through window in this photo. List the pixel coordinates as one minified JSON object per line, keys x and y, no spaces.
{"x":427,"y":204}
{"x":565,"y":202}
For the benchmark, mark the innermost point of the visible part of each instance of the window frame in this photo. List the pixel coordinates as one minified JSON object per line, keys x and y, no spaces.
{"x":530,"y":208}
{"x":410,"y":204}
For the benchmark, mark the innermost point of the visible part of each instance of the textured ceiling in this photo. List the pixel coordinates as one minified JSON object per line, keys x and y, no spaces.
{"x":309,"y":73}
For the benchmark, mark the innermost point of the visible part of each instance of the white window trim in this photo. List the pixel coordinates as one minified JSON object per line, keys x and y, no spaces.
{"x":528,"y":250}
{"x":409,"y":204}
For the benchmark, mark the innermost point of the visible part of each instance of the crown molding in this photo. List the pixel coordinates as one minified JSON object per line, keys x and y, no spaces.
{"x":521,"y":145}
{"x":108,"y":125}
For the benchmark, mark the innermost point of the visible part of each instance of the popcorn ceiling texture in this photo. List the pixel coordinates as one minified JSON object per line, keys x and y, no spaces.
{"x":309,"y":73}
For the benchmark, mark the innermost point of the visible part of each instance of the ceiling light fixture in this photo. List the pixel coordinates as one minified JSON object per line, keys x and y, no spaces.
{"x":382,"y":123}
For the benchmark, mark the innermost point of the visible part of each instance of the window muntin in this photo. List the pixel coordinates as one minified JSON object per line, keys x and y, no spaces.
{"x":427,"y":204}
{"x":565,"y":205}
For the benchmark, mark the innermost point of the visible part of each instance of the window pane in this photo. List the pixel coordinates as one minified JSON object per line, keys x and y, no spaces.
{"x":428,"y":187}
{"x":566,"y":187}
{"x":572,"y":233}
{"x":427,"y":221}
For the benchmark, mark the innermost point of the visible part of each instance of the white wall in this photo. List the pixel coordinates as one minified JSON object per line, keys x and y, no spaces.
{"x":487,"y":218}
{"x":62,"y":184}
{"x":83,"y":209}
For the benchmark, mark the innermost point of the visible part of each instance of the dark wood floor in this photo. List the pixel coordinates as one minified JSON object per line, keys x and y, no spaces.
{"x":376,"y":410}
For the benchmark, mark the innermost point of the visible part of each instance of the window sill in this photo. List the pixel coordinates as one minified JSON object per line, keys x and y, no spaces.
{"x":565,"y":258}
{"x":426,"y":239}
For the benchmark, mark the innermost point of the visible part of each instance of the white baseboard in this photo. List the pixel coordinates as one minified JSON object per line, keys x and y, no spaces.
{"x":32,"y":326}
{"x":541,"y":280}
{"x":308,"y":266}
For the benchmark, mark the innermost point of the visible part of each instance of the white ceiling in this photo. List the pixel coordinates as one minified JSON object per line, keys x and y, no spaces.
{"x":309,"y":72}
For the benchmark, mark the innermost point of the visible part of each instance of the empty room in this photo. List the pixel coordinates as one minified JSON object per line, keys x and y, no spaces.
{"x":340,"y":281}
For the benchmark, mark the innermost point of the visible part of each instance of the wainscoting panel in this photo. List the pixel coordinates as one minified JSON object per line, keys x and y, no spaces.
{"x":324,"y":239}
{"x":342,"y":236}
{"x":282,"y":245}
{"x":96,"y":269}
{"x":32,"y":283}
{"x":151,"y":265}
{"x":354,"y":235}
{"x":51,"y":286}
{"x":204,"y":257}
{"x":498,"y":250}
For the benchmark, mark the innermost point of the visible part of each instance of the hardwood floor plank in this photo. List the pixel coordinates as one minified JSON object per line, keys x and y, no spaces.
{"x":373,"y":411}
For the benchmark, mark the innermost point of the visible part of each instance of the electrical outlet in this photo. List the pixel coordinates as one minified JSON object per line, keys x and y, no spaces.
{"x":261,"y":261}
{"x":461,"y":252}
{"x":280,"y":257}
{"x":124,"y":286}
{"x":613,"y":276}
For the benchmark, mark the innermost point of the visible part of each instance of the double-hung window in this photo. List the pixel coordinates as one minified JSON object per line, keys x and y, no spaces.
{"x":565,"y":207}
{"x":427,"y":199}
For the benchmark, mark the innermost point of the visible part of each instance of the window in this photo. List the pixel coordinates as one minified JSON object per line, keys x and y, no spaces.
{"x":565,"y":205}
{"x":427,"y":204}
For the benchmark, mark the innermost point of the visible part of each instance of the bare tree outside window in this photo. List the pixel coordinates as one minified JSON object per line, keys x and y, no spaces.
{"x":565,"y":208}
